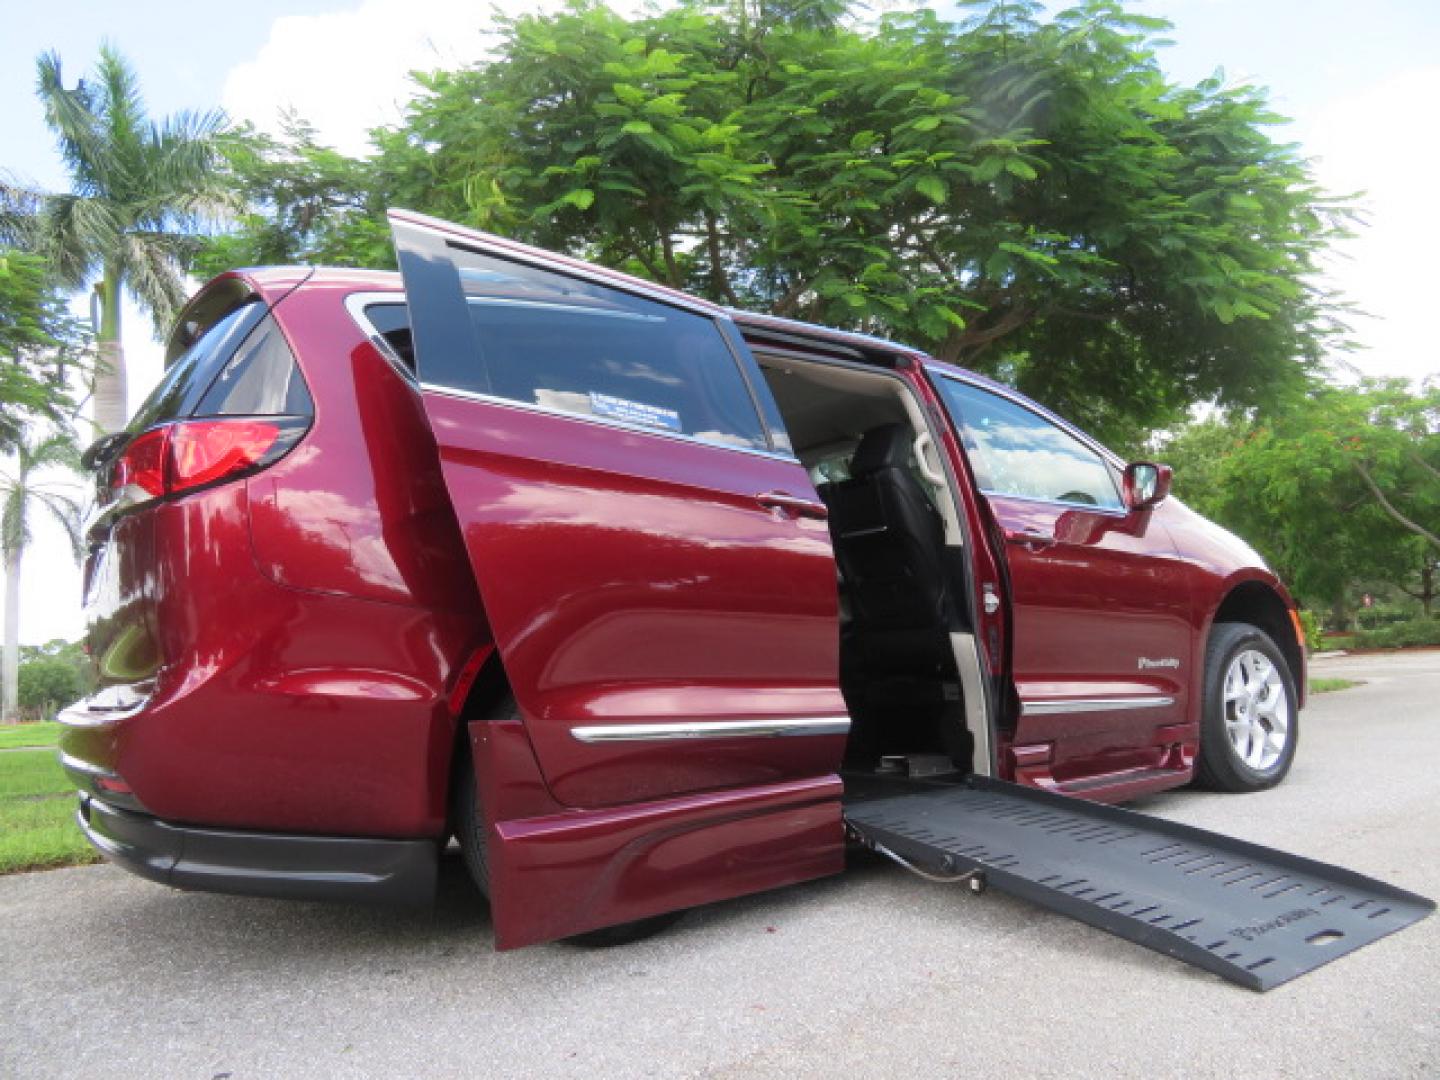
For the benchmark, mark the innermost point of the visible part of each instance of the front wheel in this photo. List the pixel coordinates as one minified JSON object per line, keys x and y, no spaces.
{"x":1250,"y":726}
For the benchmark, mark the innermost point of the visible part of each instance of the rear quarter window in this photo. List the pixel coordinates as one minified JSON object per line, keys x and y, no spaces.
{"x":261,"y":378}
{"x":240,"y":366}
{"x":191,"y":373}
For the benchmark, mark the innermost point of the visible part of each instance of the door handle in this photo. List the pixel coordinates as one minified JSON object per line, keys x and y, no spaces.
{"x":1033,"y":539}
{"x":793,"y":504}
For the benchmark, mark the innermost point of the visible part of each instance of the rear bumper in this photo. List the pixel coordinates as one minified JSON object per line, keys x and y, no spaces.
{"x":292,"y":867}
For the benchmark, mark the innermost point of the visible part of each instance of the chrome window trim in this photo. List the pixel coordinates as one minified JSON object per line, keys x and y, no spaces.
{"x":356,"y":303}
{"x":675,"y":730}
{"x":1055,"y":706}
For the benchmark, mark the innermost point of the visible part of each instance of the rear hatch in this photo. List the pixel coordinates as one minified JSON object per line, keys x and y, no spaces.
{"x":232,"y":401}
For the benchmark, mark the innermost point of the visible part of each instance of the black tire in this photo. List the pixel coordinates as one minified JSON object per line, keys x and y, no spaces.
{"x":470,"y":825}
{"x":1221,"y":766}
{"x":471,"y":829}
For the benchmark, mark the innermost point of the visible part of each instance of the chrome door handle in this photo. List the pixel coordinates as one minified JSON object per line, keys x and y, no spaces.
{"x":1033,"y":539}
{"x":793,"y":504}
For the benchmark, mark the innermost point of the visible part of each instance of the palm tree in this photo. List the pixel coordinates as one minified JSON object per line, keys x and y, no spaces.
{"x":22,"y":492}
{"x":139,"y":191}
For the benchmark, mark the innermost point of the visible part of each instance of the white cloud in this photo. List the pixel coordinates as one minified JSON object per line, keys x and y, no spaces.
{"x":1378,"y":141}
{"x":347,"y":72}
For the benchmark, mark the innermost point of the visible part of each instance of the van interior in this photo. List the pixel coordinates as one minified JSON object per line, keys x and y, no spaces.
{"x":908,"y":667}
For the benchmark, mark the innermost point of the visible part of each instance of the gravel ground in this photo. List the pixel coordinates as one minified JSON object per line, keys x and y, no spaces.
{"x":873,"y":974}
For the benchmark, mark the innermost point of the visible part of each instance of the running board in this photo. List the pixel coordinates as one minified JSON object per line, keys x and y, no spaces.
{"x":1253,"y":915}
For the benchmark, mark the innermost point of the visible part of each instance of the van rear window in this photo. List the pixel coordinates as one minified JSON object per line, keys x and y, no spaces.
{"x":240,"y":366}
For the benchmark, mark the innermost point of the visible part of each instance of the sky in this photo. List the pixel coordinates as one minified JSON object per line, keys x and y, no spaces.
{"x":1360,"y":82}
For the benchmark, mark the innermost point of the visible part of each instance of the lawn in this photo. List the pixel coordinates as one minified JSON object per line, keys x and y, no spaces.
{"x":13,"y":735}
{"x":37,"y":804}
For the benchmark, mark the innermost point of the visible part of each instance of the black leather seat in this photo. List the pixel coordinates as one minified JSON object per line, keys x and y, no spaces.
{"x":890,"y":545}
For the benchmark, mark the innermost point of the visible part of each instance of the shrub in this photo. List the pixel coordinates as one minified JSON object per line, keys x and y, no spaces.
{"x":1420,"y":631}
{"x":1314,"y":636}
{"x":47,"y":685}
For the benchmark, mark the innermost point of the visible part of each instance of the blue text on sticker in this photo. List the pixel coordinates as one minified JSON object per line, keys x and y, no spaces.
{"x":634,"y":412}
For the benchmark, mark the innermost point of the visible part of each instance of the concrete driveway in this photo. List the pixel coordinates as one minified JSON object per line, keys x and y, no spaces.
{"x":876,"y":974}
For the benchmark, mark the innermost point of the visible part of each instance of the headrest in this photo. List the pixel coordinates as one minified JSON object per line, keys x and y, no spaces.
{"x":883,"y":447}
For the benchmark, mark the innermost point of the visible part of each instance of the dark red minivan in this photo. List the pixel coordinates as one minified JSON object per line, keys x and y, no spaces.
{"x":621,"y":589}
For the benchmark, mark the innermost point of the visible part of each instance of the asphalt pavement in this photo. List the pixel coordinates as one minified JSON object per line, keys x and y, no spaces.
{"x":873,"y":974}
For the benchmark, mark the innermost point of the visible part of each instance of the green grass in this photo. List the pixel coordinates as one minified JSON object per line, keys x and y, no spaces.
{"x":37,"y":814}
{"x":41,"y":734}
{"x":1325,"y":686}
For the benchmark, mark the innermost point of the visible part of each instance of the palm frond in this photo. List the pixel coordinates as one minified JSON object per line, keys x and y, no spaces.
{"x":14,"y":530}
{"x":20,"y":207}
{"x":126,"y":128}
{"x":58,"y":448}
{"x":67,"y":513}
{"x":71,"y":115}
{"x":75,"y":231}
{"x":155,"y":277}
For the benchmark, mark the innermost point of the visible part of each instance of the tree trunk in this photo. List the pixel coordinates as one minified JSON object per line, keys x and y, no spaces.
{"x":111,"y":408}
{"x":10,"y":672}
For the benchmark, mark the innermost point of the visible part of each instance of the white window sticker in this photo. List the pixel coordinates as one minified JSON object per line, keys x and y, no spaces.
{"x":634,"y":412}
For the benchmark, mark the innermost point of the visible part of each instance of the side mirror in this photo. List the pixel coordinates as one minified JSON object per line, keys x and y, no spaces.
{"x":1146,"y":484}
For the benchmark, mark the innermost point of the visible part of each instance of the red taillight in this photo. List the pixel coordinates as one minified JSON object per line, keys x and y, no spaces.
{"x":142,"y":466}
{"x":175,"y":458}
{"x":204,"y":451}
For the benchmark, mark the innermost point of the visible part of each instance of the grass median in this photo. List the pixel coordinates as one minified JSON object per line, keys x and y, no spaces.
{"x":37,"y":803}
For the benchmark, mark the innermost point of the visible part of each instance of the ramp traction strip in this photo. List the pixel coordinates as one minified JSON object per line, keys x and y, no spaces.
{"x":1256,"y":916}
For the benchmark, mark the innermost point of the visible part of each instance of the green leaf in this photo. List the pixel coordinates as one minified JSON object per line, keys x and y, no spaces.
{"x":933,"y":188}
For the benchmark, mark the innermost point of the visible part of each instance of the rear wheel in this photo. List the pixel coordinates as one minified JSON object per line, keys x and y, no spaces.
{"x":472,"y":830}
{"x":1250,"y":726}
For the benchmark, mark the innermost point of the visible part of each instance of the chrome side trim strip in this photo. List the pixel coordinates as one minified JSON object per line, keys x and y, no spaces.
{"x":85,"y":715}
{"x":1052,"y":706}
{"x":669,"y":730}
{"x":84,"y":767}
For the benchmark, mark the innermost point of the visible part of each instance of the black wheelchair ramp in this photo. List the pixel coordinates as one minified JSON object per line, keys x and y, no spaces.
{"x":1256,"y":916}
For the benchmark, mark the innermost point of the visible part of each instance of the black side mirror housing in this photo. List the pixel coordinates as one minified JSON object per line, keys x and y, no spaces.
{"x":1146,"y":484}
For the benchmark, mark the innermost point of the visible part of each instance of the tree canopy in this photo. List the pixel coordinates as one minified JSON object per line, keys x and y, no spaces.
{"x":1029,"y":197}
{"x":1343,"y":486}
{"x":43,"y":355}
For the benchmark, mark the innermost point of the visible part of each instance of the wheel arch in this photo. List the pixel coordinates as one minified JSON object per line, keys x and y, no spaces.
{"x":1264,"y":605}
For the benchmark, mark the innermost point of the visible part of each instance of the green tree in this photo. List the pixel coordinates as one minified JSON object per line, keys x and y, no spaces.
{"x":139,"y":189}
{"x":305,"y":203}
{"x":1342,"y":486}
{"x":25,"y":490}
{"x":46,"y":685}
{"x":43,"y":357}
{"x":1028,"y":197}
